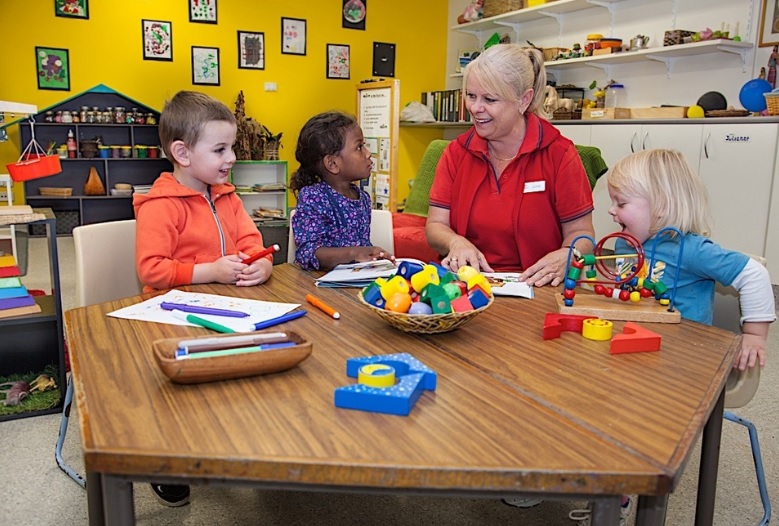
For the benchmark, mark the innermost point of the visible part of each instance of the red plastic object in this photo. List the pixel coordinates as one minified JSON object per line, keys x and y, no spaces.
{"x":555,"y":323}
{"x":34,"y":167}
{"x":635,"y":338}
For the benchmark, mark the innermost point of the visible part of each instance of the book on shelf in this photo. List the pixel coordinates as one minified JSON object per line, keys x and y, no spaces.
{"x":446,"y":105}
{"x":13,"y":292}
{"x":15,"y":303}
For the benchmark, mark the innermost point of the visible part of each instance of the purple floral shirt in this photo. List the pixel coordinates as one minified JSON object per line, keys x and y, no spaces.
{"x":325,"y":218}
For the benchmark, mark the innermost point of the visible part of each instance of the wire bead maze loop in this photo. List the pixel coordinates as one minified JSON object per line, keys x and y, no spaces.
{"x":600,"y":258}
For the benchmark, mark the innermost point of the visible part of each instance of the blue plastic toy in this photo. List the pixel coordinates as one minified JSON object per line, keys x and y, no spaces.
{"x":412,"y":377}
{"x":751,"y":95}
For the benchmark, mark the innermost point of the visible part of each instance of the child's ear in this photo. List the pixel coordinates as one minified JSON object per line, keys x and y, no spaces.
{"x":180,"y":153}
{"x":331,"y":164}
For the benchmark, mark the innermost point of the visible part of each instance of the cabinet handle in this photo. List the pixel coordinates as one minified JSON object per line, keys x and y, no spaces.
{"x":632,"y":142}
{"x":706,"y":146}
{"x":643,"y":143}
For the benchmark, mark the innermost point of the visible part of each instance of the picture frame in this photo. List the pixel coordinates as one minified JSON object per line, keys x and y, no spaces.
{"x":769,"y":24}
{"x":205,"y":66}
{"x":293,"y":36}
{"x":463,"y":58}
{"x":338,"y":63}
{"x":72,"y":8}
{"x":52,"y":67}
{"x":251,"y":50}
{"x":202,"y":11}
{"x":157,"y":39}
{"x":353,"y":14}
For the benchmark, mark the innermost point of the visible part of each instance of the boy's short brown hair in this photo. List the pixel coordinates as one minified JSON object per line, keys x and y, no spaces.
{"x":183,"y":118}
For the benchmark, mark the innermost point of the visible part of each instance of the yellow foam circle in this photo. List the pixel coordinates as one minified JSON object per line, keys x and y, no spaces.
{"x":597,"y":329}
{"x":376,"y":375}
{"x":695,"y":112}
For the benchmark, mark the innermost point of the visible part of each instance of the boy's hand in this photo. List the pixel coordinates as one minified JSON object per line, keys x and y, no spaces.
{"x":224,"y":270}
{"x":751,"y":352}
{"x":256,"y":273}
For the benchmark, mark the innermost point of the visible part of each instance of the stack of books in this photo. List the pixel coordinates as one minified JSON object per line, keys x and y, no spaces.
{"x":14,"y":298}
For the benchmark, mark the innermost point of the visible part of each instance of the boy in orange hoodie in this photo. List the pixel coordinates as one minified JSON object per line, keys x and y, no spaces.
{"x":192,"y":227}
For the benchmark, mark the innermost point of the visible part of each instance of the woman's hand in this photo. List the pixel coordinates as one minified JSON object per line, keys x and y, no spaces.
{"x":550,"y":269}
{"x":462,"y":252}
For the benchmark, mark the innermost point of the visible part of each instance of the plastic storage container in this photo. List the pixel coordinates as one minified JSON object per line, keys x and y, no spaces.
{"x":616,"y":96}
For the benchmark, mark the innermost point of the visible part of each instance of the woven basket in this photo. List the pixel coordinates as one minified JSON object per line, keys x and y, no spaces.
{"x":772,"y":102}
{"x":498,"y":7}
{"x":425,"y":323}
{"x":550,"y":53}
{"x":56,"y":191}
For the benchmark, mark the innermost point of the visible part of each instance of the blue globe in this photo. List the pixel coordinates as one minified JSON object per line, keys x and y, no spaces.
{"x":751,"y":95}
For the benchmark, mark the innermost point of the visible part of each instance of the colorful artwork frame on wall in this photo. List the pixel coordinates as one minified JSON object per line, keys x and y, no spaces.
{"x":293,"y":36}
{"x":354,"y":13}
{"x":769,"y":24}
{"x":72,"y":8}
{"x":251,"y":50}
{"x":157,"y":40}
{"x":338,"y":61}
{"x":52,"y":67}
{"x":205,"y":66}
{"x":202,"y":11}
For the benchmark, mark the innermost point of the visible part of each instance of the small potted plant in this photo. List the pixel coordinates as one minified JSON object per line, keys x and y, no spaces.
{"x":272,"y":144}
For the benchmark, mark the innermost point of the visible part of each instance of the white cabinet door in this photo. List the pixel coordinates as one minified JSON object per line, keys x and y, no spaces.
{"x":737,"y":166}
{"x":685,"y":138}
{"x":578,"y":133}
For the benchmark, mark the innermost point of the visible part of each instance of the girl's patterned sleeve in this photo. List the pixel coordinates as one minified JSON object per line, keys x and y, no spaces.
{"x":310,"y":226}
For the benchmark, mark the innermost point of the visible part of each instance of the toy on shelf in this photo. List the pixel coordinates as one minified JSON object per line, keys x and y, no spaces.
{"x":627,"y":287}
{"x":390,"y":383}
{"x":428,"y":298}
{"x":472,"y":12}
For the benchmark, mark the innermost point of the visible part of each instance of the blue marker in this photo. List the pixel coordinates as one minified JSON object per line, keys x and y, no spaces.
{"x":280,"y":319}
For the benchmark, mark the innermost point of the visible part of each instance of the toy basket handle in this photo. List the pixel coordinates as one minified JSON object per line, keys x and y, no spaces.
{"x":33,"y":148}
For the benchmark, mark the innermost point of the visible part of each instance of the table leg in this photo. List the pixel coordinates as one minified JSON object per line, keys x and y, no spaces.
{"x":651,"y":510}
{"x":95,"y":498}
{"x":707,"y":477}
{"x":605,"y":511}
{"x":118,"y":501}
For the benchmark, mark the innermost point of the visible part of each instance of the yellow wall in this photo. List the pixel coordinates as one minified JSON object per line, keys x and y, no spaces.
{"x":107,"y":49}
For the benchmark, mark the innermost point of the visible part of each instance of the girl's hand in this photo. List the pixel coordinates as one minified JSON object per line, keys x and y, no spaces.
{"x":750,"y":353}
{"x":462,"y":252}
{"x":254,"y":274}
{"x":372,"y":254}
{"x":550,"y":269}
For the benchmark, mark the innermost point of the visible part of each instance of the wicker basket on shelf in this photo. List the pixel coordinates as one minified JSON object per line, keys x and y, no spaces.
{"x":498,"y":7}
{"x":772,"y":102}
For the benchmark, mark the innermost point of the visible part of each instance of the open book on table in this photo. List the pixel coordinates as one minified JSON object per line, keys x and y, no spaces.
{"x":363,"y":274}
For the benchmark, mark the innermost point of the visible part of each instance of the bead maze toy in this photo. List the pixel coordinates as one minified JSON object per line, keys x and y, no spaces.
{"x":390,"y":383}
{"x":627,"y":291}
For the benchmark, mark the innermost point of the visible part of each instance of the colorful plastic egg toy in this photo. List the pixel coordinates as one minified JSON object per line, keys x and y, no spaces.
{"x":399,"y":302}
{"x":420,"y":308}
{"x":466,"y":272}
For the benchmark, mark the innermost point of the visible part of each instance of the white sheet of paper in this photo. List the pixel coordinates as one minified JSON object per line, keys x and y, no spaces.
{"x":150,"y":309}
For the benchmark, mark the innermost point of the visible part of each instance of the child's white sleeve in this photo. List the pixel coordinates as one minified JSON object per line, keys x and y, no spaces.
{"x":756,"y":295}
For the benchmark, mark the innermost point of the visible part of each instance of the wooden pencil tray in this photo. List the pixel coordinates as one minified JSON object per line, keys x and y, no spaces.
{"x":228,"y":367}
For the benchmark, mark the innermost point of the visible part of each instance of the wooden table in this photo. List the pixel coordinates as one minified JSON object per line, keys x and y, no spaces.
{"x":512,"y":413}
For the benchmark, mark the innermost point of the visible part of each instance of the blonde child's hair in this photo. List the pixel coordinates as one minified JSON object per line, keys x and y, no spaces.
{"x":184,"y":116}
{"x":508,"y":71}
{"x":676,"y":194}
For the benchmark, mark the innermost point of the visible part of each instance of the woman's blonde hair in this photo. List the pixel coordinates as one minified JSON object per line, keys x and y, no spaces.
{"x":676,"y":194}
{"x":508,"y":71}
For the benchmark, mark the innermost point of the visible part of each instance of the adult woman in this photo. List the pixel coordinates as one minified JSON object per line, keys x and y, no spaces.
{"x":510,"y":193}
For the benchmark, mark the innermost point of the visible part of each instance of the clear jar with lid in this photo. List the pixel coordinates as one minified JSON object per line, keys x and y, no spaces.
{"x":48,"y":116}
{"x":151,"y":118}
{"x":83,"y":114}
{"x":90,"y":117}
{"x":616,"y":96}
{"x":119,"y":115}
{"x":67,"y":117}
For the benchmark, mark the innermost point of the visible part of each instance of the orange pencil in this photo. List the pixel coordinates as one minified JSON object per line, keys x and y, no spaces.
{"x":321,"y":305}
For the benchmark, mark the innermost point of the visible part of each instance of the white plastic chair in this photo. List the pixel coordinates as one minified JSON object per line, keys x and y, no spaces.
{"x":105,"y":271}
{"x":739,"y":391}
{"x":381,"y":233}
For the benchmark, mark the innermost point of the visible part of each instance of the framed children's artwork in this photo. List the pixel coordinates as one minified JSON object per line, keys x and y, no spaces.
{"x":354,"y":13}
{"x":769,"y":24}
{"x":293,"y":36}
{"x":337,"y":61}
{"x":251,"y":50}
{"x":157,"y":40}
{"x":72,"y":8}
{"x":205,"y":65}
{"x":203,"y":11}
{"x":53,"y":68}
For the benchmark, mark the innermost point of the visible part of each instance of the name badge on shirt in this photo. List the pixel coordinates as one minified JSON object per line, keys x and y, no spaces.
{"x":535,"y":186}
